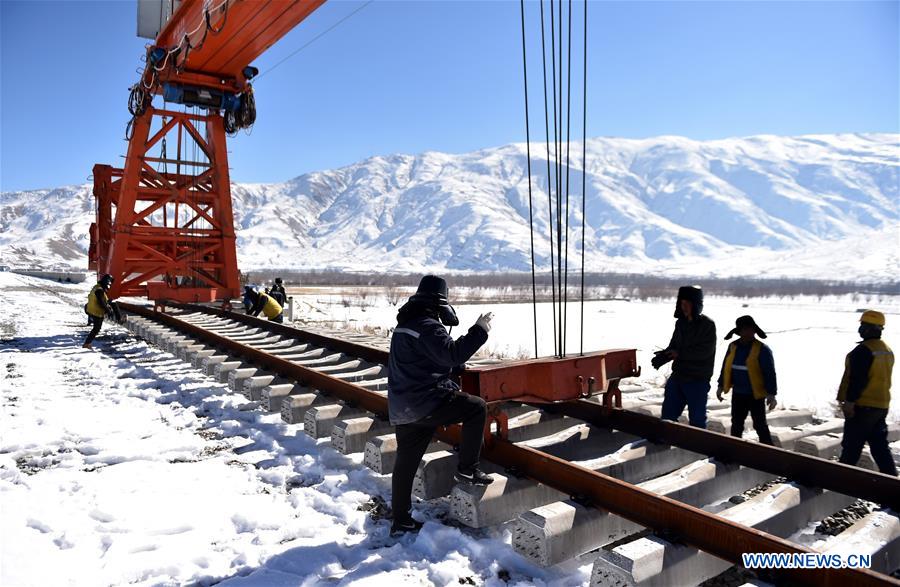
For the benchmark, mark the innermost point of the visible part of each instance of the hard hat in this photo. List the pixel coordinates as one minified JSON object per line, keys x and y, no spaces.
{"x":872,"y":317}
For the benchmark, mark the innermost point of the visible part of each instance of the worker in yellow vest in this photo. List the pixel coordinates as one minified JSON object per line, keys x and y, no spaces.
{"x":749,"y":369}
{"x":865,"y":394}
{"x":100,"y":306}
{"x":263,"y":302}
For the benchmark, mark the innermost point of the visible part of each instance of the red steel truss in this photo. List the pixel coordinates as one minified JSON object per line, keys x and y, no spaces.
{"x":164,"y":226}
{"x":169,"y":234}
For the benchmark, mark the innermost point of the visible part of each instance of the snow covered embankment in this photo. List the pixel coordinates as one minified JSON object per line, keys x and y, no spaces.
{"x":124,"y":465}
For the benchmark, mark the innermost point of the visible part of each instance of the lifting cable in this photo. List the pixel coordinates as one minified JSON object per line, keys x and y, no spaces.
{"x":316,"y":38}
{"x":568,"y":136}
{"x":561,"y":89}
{"x":583,"y":176}
{"x":528,"y":155}
{"x":557,"y":149}
{"x":549,"y":181}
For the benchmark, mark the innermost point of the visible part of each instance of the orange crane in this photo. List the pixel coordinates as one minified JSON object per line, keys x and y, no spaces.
{"x":164,"y":226}
{"x":169,"y":235}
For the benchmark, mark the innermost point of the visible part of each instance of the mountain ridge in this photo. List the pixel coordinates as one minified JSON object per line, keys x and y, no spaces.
{"x":658,"y":204}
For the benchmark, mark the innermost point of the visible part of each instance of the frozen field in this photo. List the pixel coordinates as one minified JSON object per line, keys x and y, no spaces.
{"x":123,"y":465}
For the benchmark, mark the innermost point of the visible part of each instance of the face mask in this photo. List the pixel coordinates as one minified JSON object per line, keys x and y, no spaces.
{"x":447,"y":315}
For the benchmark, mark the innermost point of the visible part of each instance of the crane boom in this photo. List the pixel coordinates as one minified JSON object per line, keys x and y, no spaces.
{"x":250,"y":27}
{"x":164,"y":223}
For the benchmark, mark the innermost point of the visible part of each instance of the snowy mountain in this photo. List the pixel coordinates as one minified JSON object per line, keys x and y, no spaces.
{"x":811,"y":206}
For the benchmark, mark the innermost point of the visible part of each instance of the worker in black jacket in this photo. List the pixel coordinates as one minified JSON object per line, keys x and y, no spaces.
{"x":277,"y":292}
{"x":693,"y":352}
{"x":865,"y":395}
{"x":422,"y":396}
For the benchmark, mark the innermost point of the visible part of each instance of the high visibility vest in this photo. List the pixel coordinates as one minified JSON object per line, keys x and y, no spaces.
{"x":757,"y":383}
{"x":271,"y":308}
{"x":877,"y":392}
{"x":93,"y":306}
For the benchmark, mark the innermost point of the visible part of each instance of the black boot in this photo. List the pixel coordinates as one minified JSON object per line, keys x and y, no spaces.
{"x":473,"y":476}
{"x":401,"y":527}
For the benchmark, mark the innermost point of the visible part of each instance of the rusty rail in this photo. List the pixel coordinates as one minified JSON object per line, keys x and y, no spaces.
{"x":347,"y":392}
{"x":804,"y":469}
{"x":362,"y":351}
{"x":694,"y":526}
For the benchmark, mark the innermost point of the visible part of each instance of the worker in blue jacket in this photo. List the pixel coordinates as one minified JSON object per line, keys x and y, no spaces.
{"x":422,"y":395}
{"x":749,"y":369}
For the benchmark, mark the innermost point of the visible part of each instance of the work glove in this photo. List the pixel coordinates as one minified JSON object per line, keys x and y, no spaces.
{"x":719,"y":393}
{"x":485,"y":321}
{"x":771,"y":402}
{"x":659,"y":359}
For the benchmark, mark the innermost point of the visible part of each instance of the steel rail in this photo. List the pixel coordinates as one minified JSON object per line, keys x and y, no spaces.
{"x":348,"y":392}
{"x":703,"y":530}
{"x":707,"y":532}
{"x":368,"y":353}
{"x":804,"y":469}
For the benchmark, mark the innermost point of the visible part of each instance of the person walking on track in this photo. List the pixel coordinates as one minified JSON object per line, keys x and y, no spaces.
{"x":749,"y":370}
{"x":865,"y":395}
{"x":693,"y":352}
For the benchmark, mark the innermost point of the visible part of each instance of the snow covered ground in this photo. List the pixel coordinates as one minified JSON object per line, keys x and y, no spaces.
{"x":123,"y":465}
{"x":809,"y":336}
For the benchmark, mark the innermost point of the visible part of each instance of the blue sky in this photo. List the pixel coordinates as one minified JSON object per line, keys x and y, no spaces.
{"x":447,"y":76}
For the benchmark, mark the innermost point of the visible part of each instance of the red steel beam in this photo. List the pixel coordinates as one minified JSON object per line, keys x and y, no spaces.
{"x":705,"y":531}
{"x":550,"y":379}
{"x":249,"y":28}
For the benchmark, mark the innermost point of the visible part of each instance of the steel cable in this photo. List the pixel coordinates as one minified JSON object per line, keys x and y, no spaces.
{"x":583,"y":178}
{"x":528,"y":155}
{"x":549,"y":179}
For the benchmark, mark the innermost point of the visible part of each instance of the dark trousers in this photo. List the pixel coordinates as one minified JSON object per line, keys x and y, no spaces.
{"x":679,"y":393}
{"x":741,"y":404}
{"x":279,"y":318}
{"x":868,"y":425}
{"x":413,"y":440}
{"x":98,"y":322}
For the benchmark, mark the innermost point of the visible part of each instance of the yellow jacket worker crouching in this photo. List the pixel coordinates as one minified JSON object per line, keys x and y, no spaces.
{"x":262,"y":302}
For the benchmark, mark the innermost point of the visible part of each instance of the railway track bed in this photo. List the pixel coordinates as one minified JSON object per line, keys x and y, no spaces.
{"x":333,"y":386}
